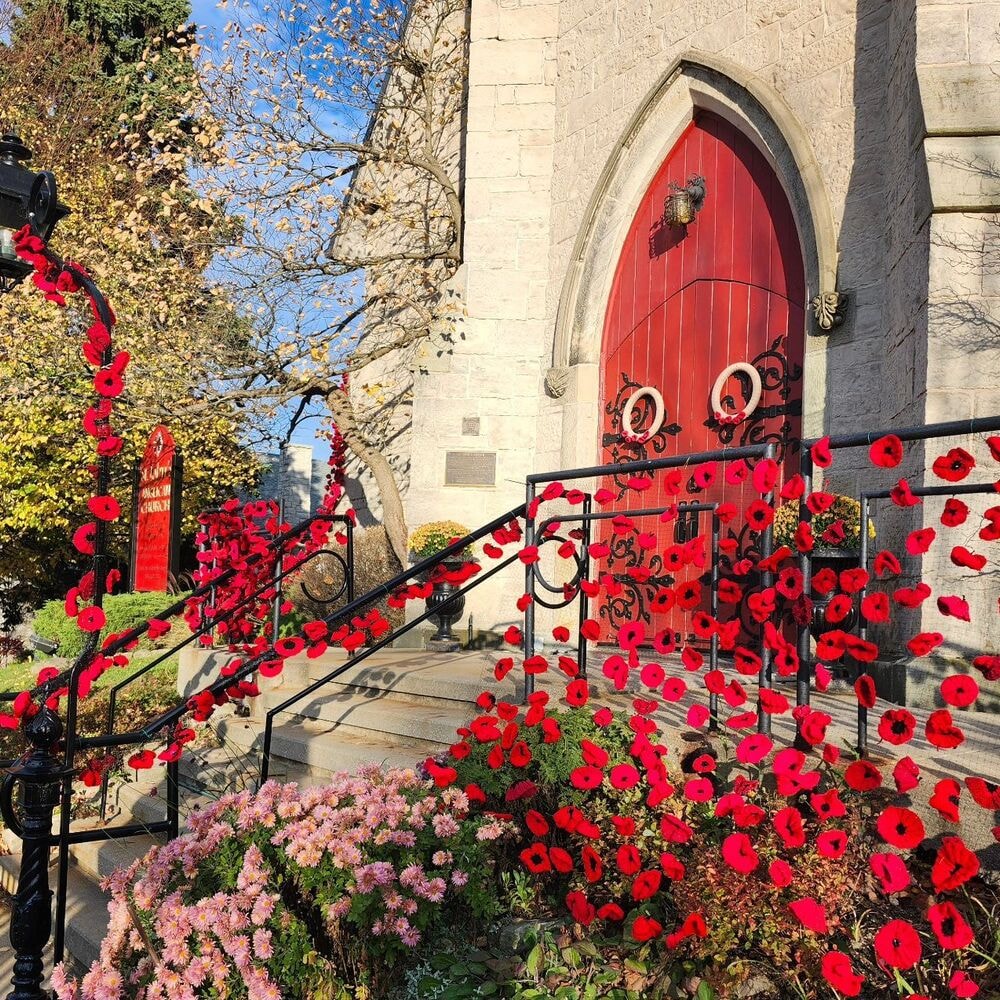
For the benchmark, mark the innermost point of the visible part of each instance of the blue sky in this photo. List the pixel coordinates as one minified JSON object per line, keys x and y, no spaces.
{"x":211,"y":21}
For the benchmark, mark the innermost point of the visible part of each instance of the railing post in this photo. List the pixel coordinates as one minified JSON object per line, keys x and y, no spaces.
{"x":38,"y":773}
{"x":581,"y":649}
{"x":276,"y":603}
{"x":529,"y":588}
{"x":764,"y":679}
{"x":713,"y":652}
{"x":803,"y":678}
{"x":863,"y":627}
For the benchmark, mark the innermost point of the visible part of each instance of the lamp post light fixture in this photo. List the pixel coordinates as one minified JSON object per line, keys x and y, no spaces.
{"x":25,"y":197}
{"x":684,"y":203}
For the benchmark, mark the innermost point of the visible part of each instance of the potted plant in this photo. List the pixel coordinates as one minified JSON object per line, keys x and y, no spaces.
{"x":426,"y":541}
{"x":837,"y":535}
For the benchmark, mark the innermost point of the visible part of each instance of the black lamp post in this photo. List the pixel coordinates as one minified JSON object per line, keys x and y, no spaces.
{"x":25,"y":197}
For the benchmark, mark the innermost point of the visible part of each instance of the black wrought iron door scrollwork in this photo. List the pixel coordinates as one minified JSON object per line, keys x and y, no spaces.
{"x":777,"y":377}
{"x":637,"y":593}
{"x":620,"y":449}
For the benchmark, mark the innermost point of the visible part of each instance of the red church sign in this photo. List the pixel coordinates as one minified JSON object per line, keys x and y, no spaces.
{"x":156,"y":506}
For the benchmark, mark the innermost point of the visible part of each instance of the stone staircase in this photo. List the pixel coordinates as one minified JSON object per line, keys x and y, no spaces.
{"x":396,"y":708}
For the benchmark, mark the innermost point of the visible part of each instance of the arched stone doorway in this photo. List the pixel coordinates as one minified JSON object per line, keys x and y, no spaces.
{"x":685,"y":304}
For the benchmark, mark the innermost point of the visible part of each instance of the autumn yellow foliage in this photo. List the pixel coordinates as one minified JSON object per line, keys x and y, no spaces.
{"x":121,"y":145}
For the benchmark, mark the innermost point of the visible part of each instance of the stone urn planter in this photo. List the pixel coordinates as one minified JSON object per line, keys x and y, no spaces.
{"x":443,"y":613}
{"x":838,"y":560}
{"x":445,"y":609}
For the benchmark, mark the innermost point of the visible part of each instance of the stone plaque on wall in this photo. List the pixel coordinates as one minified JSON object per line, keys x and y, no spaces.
{"x":470,"y":468}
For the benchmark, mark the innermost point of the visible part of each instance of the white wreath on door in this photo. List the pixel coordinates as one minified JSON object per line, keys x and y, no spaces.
{"x":752,"y":403}
{"x":659,"y":413}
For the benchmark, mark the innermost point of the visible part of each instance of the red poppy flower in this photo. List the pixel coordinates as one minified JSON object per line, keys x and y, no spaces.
{"x":906,"y":775}
{"x":693,"y":926}
{"x":85,"y":537}
{"x":864,"y":689}
{"x":991,"y":532}
{"x":513,"y":636}
{"x":863,"y":776}
{"x":290,"y":646}
{"x":900,"y":827}
{"x":172,"y":753}
{"x":820,"y":502}
{"x":924,"y":643}
{"x":954,"y":607}
{"x":804,"y":541}
{"x":582,"y":911}
{"x":646,"y":884}
{"x":839,"y":973}
{"x":949,"y":926}
{"x":941,"y":731}
{"x":578,"y":693}
{"x":821,"y":454}
{"x":961,"y":556}
{"x":891,"y":871}
{"x":108,"y":383}
{"x":104,"y":508}
{"x":788,"y":823}
{"x":955,"y":513}
{"x":623,"y":776}
{"x":698,"y":789}
{"x":902,"y":496}
{"x":961,"y":985}
{"x":954,"y":466}
{"x":946,"y":798}
{"x":91,"y":619}
{"x":812,"y":728}
{"x":897,"y":726}
{"x":834,"y":534}
{"x":536,"y":859}
{"x":142,"y":761}
{"x":628,"y":859}
{"x":824,"y":581}
{"x":520,"y":754}
{"x":780,"y":873}
{"x":838,"y":609}
{"x":586,"y":777}
{"x":789,"y":583}
{"x":765,"y":475}
{"x":984,"y":793}
{"x":646,"y":928}
{"x":959,"y":690}
{"x":897,"y":945}
{"x":919,"y":541}
{"x":912,"y":597}
{"x":954,"y":865}
{"x":793,"y":488}
{"x":988,"y":666}
{"x":886,"y":564}
{"x":811,"y":915}
{"x":697,"y":716}
{"x":875,"y":607}
{"x":832,"y":843}
{"x":886,"y":452}
{"x":689,"y":595}
{"x":593,"y":867}
{"x":827,"y":805}
{"x":672,"y":867}
{"x":674,"y":830}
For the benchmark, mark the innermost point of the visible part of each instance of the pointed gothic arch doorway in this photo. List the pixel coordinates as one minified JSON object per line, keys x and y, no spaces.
{"x":686,"y":304}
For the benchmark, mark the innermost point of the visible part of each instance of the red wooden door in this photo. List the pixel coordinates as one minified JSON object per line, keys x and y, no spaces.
{"x":685,"y":304}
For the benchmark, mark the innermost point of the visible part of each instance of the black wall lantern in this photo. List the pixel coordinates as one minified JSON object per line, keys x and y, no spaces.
{"x":24,"y":197}
{"x":684,"y":203}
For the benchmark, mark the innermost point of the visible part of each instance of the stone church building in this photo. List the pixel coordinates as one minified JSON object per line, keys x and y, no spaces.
{"x":847,"y":245}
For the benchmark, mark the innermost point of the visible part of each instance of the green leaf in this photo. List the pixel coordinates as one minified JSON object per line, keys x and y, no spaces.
{"x":705,"y":992}
{"x":534,"y":960}
{"x":635,"y":966}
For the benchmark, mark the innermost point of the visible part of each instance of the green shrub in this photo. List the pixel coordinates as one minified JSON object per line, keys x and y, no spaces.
{"x":123,"y":611}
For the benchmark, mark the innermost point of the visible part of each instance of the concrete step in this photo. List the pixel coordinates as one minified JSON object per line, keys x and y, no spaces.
{"x":309,"y":750}
{"x":98,"y":859}
{"x":420,"y":676}
{"x":370,"y":711}
{"x":86,"y":912}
